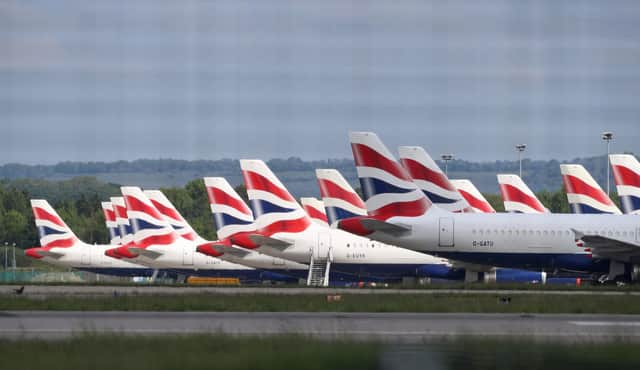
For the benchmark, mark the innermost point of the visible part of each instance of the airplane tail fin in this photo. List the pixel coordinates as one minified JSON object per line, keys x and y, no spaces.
{"x":231,"y":215}
{"x":517,"y":196}
{"x":149,"y":226}
{"x":53,"y":231}
{"x":626,"y":172}
{"x":388,"y":189}
{"x":122,"y":220}
{"x":171,"y":215}
{"x":431,"y":180}
{"x":273,"y":206}
{"x":584,"y":193}
{"x":472,"y":195}
{"x":340,"y":200}
{"x":110,"y":220}
{"x":314,"y":208}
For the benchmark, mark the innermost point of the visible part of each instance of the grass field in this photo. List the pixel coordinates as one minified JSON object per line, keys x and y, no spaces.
{"x":446,"y":302}
{"x":295,"y":352}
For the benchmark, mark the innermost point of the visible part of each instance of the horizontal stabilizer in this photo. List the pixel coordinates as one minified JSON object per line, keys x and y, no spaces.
{"x":269,"y":241}
{"x":50,"y":254}
{"x":384,"y":227}
{"x":145,"y":252}
{"x":234,"y":251}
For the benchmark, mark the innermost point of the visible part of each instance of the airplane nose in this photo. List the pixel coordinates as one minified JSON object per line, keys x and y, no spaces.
{"x":33,"y":253}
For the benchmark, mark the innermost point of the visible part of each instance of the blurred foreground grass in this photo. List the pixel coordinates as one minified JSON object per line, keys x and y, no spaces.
{"x":112,"y":352}
{"x":446,"y":302}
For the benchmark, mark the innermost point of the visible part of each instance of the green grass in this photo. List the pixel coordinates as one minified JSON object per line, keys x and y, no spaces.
{"x":446,"y":302}
{"x":112,"y":352}
{"x":190,"y":352}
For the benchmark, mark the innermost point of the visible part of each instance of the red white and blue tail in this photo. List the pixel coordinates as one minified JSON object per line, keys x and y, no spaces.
{"x":122,"y":220}
{"x":472,"y":195}
{"x":110,"y":220}
{"x":517,"y":196}
{"x":431,"y":180}
{"x":315,"y":209}
{"x":626,"y":172}
{"x":584,"y":193}
{"x":230,"y":213}
{"x":340,"y":200}
{"x":388,"y":189}
{"x":171,"y":215}
{"x":149,"y":226}
{"x":274,"y":208}
{"x":53,"y":231}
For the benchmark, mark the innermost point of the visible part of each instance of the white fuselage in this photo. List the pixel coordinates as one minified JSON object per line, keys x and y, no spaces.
{"x":533,"y":241}
{"x":182,"y":255}
{"x":345,"y":248}
{"x":92,"y":258}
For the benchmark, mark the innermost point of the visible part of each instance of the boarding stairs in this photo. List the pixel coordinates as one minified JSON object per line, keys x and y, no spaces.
{"x":319,"y":271}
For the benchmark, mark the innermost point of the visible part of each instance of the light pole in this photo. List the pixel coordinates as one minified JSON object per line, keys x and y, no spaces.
{"x":14,"y":258}
{"x":446,"y":158}
{"x":520,"y":148}
{"x":6,"y":251}
{"x":608,"y":136}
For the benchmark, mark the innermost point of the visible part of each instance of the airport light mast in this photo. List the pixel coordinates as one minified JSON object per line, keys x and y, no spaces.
{"x":446,"y":158}
{"x":608,"y":136}
{"x":520,"y":148}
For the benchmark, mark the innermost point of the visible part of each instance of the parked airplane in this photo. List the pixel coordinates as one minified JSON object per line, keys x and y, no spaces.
{"x":584,"y":193}
{"x":282,"y":223}
{"x":335,"y":190}
{"x":473,"y":196}
{"x":517,"y":196}
{"x":240,"y":256}
{"x":626,"y":172}
{"x":110,"y":221}
{"x":399,"y":213}
{"x":61,"y":247}
{"x":156,"y":244}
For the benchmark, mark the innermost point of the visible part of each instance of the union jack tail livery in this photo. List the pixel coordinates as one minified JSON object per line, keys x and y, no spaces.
{"x":110,"y":220}
{"x":472,"y":195}
{"x":149,"y":226}
{"x":584,"y":193}
{"x":231,"y":215}
{"x":315,"y":209}
{"x":171,"y":215}
{"x":122,"y":220}
{"x":53,"y":231}
{"x":626,"y":172}
{"x":273,"y":206}
{"x":517,"y":196}
{"x":431,"y":180}
{"x":340,"y":200}
{"x":388,"y":189}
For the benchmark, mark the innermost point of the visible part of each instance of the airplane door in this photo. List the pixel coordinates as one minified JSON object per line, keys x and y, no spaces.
{"x":187,"y":256}
{"x":322,"y":248}
{"x":638,"y":234}
{"x":446,"y":232}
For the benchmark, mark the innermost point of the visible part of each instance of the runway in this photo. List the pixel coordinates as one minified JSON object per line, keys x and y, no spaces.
{"x":101,"y":290}
{"x":390,"y":327}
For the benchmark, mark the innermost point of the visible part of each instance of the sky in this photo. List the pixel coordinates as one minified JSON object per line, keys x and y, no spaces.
{"x":109,"y":80}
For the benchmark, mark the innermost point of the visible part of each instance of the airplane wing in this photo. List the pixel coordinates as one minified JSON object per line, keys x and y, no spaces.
{"x":607,"y":247}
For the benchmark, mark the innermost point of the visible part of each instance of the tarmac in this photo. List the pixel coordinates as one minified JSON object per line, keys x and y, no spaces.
{"x":388,"y":327}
